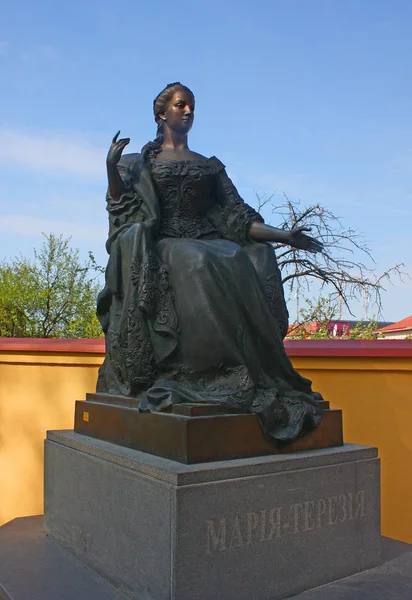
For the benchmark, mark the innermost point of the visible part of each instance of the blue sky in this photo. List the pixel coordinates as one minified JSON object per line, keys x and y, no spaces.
{"x":305,"y":97}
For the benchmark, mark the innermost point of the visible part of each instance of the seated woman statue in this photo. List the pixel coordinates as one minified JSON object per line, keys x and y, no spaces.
{"x":193,"y":307}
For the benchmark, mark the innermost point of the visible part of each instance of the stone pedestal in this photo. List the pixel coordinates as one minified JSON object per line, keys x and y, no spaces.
{"x":194,"y":433}
{"x":258,"y":528}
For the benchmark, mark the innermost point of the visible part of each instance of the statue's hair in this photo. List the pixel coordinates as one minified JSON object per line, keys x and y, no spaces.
{"x":151,"y":149}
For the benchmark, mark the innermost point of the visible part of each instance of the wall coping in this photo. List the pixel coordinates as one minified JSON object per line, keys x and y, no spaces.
{"x":47,"y":345}
{"x":350,"y":348}
{"x":295,"y":348}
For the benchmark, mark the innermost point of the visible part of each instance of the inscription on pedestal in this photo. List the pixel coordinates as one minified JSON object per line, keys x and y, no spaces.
{"x":231,"y":530}
{"x":265,"y":525}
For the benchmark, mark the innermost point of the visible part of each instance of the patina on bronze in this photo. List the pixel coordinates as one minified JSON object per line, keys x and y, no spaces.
{"x":193,"y":308}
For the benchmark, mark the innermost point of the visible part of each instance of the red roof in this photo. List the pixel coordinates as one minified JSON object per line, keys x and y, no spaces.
{"x":399,"y":326}
{"x":296,"y":328}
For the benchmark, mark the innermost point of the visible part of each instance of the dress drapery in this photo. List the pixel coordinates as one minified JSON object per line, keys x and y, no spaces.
{"x":193,"y":310}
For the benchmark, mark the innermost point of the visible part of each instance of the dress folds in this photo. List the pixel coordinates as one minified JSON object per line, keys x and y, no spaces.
{"x":193,"y":310}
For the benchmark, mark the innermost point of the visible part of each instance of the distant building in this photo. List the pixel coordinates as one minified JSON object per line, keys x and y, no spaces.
{"x":397,"y":331}
{"x":297,"y":330}
{"x":336,"y":328}
{"x":342,"y":328}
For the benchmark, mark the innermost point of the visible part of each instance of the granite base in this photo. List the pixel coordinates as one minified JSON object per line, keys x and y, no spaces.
{"x":259,"y":528}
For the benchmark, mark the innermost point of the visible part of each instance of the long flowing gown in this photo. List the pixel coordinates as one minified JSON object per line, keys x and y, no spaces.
{"x":193,"y":310}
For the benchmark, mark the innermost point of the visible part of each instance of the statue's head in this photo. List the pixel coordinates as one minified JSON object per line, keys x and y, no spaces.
{"x":175,"y":107}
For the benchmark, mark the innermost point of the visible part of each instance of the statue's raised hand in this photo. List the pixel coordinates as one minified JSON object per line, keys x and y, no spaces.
{"x":116,"y":149}
{"x":300,"y":240}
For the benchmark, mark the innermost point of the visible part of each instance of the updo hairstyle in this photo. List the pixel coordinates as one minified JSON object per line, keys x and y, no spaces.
{"x":152,"y":149}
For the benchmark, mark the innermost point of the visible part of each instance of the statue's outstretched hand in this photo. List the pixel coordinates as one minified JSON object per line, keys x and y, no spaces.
{"x":300,"y":240}
{"x":116,"y":149}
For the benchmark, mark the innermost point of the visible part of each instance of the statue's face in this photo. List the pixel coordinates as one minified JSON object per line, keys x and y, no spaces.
{"x":180,"y":112}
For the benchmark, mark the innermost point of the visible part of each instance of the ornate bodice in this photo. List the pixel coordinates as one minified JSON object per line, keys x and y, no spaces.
{"x":181,"y":198}
{"x":186,"y":192}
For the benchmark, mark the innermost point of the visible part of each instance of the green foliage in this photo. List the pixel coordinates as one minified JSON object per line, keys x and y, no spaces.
{"x":363,"y":331}
{"x":52,"y":295}
{"x":321,"y":309}
{"x":315,"y":318}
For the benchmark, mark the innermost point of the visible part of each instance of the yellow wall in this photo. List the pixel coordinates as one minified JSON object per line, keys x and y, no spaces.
{"x":37,"y":393}
{"x":38,"y":390}
{"x":375,"y":395}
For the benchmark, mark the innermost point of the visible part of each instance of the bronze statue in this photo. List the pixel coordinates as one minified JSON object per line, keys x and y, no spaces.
{"x":193,"y":308}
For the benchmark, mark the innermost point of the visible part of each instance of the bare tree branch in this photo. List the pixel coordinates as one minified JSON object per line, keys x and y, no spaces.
{"x":339,"y":268}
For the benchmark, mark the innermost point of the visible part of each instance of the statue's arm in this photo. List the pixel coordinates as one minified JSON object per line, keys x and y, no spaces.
{"x":260,"y":232}
{"x":116,"y":183}
{"x":257,"y":229}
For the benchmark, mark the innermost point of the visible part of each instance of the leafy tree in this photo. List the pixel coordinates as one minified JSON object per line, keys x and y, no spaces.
{"x":364,"y":331}
{"x":340,"y":272}
{"x":52,"y":295}
{"x":315,"y":318}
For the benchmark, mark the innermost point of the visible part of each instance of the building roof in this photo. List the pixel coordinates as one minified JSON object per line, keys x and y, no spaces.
{"x":403,"y":325}
{"x":344,"y":327}
{"x":297,"y":328}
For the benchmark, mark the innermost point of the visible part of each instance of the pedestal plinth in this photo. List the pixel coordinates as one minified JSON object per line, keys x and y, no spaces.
{"x":258,"y":528}
{"x":194,"y":433}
